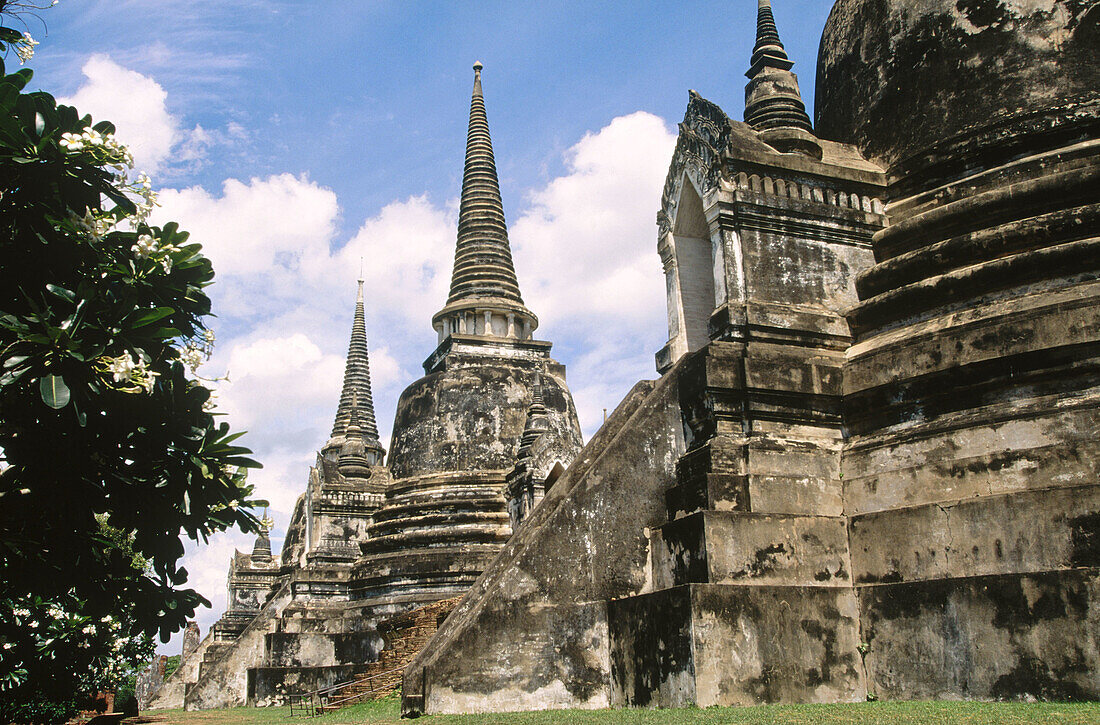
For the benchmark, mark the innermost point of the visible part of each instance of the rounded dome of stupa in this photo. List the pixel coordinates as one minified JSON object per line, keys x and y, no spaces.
{"x":896,"y":76}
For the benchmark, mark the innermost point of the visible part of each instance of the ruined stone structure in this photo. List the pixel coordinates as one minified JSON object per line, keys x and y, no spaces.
{"x":149,"y":681}
{"x":458,"y":430}
{"x":163,"y":692}
{"x":368,"y":543}
{"x":870,"y":466}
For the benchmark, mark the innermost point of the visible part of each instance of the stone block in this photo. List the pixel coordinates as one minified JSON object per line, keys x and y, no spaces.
{"x":723,"y":547}
{"x":1008,"y":636}
{"x":1030,"y":531}
{"x":1035,"y":445}
{"x":719,"y":644}
{"x":270,"y":686}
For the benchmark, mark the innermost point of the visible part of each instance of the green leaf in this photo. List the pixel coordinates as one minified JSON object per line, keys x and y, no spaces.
{"x":54,"y":392}
{"x":61,"y":292}
{"x":15,"y":361}
{"x":151,"y":316}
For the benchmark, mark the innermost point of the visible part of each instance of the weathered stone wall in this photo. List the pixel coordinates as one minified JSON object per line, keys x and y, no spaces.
{"x":223,"y":674}
{"x":532,"y":633}
{"x":149,"y":681}
{"x":972,"y":392}
{"x":896,"y":76}
{"x":470,"y":416}
{"x":171,"y":694}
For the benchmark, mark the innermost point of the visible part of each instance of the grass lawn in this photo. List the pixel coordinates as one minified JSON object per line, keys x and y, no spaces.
{"x":388,"y":712}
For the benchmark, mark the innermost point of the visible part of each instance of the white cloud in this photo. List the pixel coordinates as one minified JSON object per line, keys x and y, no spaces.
{"x":598,"y":220}
{"x":408,"y":249}
{"x":282,"y":221}
{"x":587,"y":262}
{"x":135,"y":103}
{"x":207,"y":568}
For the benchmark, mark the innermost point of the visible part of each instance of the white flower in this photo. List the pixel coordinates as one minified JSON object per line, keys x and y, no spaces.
{"x":122,"y":367}
{"x":90,"y":629}
{"x":71,"y":142}
{"x":25,"y":48}
{"x":20,"y":612}
{"x":92,"y":137}
{"x":8,"y":645}
{"x":145,"y":247}
{"x":133,"y":374}
{"x":234,"y":504}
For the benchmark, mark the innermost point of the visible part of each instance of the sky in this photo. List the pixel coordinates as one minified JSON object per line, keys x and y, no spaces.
{"x":295,"y":138}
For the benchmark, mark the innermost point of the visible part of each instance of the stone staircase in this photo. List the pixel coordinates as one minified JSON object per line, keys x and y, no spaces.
{"x":404,"y":636}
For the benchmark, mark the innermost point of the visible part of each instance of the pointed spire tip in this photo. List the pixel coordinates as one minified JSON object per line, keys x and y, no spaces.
{"x":478,"y":66}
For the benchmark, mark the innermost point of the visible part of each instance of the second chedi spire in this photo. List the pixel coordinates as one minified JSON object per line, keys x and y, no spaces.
{"x":484,"y":298}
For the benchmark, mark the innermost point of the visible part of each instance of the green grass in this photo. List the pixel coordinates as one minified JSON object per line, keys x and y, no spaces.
{"x":388,"y":712}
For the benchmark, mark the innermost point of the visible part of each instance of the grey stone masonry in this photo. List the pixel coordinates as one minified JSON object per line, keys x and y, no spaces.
{"x":870,"y":467}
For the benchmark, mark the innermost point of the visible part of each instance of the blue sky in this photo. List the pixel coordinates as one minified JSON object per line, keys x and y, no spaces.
{"x":293,"y":138}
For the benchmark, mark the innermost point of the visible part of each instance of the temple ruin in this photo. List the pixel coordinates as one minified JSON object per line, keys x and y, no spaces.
{"x":367,"y":542}
{"x":869,"y":468}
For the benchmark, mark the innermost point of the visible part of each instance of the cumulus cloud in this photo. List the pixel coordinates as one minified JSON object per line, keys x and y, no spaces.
{"x":207,"y":567}
{"x":409,"y":251}
{"x":586,"y":255}
{"x":138,"y":107}
{"x":135,"y":103}
{"x":600,"y":218}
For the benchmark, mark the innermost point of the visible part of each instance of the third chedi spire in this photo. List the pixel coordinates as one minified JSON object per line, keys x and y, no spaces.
{"x":772,"y":97}
{"x":356,"y":392}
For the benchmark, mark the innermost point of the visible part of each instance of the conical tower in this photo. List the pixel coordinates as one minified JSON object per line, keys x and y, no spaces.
{"x":261,"y":550}
{"x":484,"y":300}
{"x":536,"y":421}
{"x":457,"y":431}
{"x":356,"y":393}
{"x":773,"y":102}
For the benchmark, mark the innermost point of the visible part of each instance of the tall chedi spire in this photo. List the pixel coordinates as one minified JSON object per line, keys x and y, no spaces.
{"x":773,"y":102}
{"x":484,"y":299}
{"x":356,"y":393}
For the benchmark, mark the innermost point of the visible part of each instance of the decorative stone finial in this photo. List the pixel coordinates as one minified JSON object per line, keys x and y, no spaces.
{"x":261,"y":550}
{"x":537,"y":421}
{"x":478,"y":66}
{"x":773,"y":102}
{"x":353,"y":461}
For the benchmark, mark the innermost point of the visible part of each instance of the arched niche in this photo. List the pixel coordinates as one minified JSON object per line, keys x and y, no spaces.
{"x":694,"y":253}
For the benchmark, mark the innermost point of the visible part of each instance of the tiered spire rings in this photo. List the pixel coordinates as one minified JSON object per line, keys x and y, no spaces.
{"x":484,"y":298}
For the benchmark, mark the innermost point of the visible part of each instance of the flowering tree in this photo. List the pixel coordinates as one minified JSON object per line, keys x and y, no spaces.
{"x":109,"y":449}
